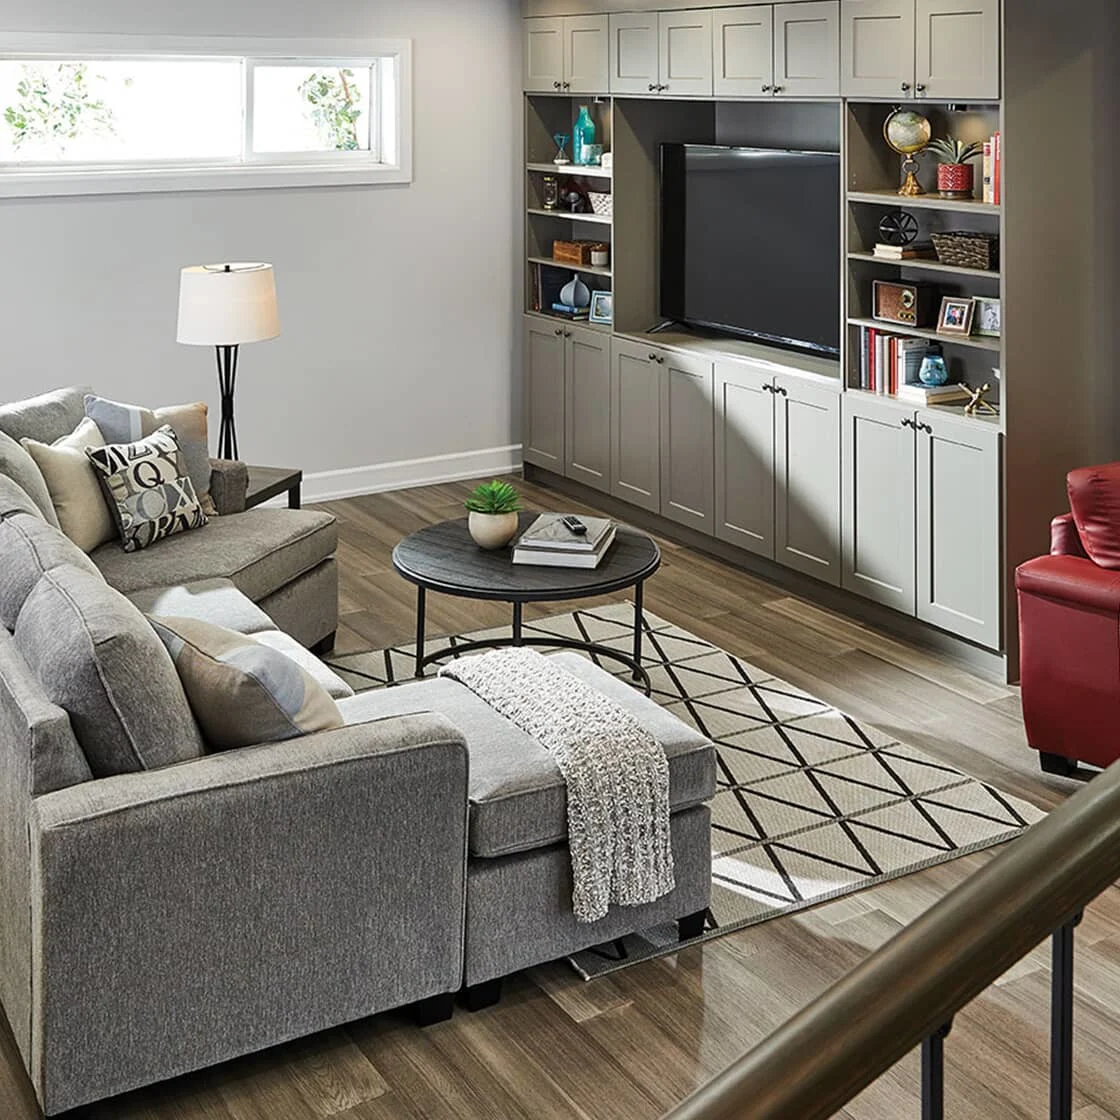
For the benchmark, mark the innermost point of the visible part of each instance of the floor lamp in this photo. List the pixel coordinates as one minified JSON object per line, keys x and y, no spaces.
{"x":226,"y":306}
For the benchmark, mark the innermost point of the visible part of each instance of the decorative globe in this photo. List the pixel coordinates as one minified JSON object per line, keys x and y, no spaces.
{"x":907,"y":132}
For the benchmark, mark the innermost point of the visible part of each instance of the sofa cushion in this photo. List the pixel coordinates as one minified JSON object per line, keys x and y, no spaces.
{"x":99,"y":660}
{"x":1094,"y":498}
{"x":334,"y":685}
{"x":260,"y":551}
{"x":16,"y":463}
{"x":31,"y":547}
{"x":207,"y":600}
{"x":14,"y":499}
{"x":518,"y":801}
{"x":45,"y":418}
{"x":242,"y":691}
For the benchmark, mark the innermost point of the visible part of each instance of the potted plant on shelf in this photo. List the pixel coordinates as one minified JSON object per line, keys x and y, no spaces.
{"x":493,"y":510}
{"x":955,"y":175}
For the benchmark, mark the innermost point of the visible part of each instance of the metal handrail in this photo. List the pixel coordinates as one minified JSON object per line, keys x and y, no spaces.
{"x":910,"y":989}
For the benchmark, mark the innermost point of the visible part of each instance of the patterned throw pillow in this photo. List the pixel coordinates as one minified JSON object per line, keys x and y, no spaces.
{"x":148,"y":489}
{"x":242,"y":692}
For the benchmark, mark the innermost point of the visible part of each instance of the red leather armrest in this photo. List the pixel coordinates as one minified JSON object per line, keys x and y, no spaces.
{"x":1065,"y":540}
{"x":1073,"y":580}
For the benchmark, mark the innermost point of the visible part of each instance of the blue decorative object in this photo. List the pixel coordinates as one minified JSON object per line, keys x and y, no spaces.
{"x":583,"y":136}
{"x":575,"y":293}
{"x":934,"y":371}
{"x":561,"y":139}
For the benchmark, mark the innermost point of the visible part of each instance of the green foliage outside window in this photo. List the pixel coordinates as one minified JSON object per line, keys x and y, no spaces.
{"x":56,"y":107}
{"x":332,"y":100}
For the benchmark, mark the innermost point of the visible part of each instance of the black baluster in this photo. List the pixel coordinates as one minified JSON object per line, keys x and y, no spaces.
{"x":933,"y":1074}
{"x":1061,"y":1023}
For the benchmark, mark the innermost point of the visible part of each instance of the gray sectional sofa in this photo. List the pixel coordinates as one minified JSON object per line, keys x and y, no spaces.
{"x":158,"y":921}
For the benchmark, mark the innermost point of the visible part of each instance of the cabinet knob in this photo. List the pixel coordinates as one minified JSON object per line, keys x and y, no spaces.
{"x":653,"y":88}
{"x":768,"y":388}
{"x":567,"y":334}
{"x":663,"y":87}
{"x":908,"y":423}
{"x":567,"y":85}
{"x":767,"y":89}
{"x":905,"y":87}
{"x":920,"y":87}
{"x":779,"y":389}
{"x":778,"y":89}
{"x":559,"y":332}
{"x":652,"y":357}
{"x":557,"y":85}
{"x":925,"y":428}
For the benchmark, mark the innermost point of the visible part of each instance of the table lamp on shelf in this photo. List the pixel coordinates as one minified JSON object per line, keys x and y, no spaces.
{"x":225,"y":306}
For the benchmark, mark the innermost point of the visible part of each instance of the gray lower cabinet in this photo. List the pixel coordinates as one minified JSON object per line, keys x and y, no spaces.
{"x":636,"y":424}
{"x":687,"y":440}
{"x":958,"y":527}
{"x":543,"y":440}
{"x":587,"y":381}
{"x":878,"y":501}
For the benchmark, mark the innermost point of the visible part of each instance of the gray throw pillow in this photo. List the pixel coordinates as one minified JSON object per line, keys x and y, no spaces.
{"x":16,"y":463}
{"x":44,"y":418}
{"x":148,"y":489}
{"x":99,"y":660}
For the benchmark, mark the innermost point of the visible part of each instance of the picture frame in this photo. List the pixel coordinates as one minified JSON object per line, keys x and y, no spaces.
{"x":988,"y":318}
{"x":956,"y":316}
{"x":602,"y":308}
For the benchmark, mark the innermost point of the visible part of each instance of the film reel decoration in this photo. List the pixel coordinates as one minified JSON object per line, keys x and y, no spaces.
{"x":898,"y":228}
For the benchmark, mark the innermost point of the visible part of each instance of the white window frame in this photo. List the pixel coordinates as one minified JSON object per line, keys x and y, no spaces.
{"x":299,"y":169}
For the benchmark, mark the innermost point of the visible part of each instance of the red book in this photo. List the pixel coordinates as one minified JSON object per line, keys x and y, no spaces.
{"x":872,"y":341}
{"x":997,"y":168}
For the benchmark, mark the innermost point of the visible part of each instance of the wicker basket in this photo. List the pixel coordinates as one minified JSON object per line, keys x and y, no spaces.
{"x":601,"y":204}
{"x":967,"y":249}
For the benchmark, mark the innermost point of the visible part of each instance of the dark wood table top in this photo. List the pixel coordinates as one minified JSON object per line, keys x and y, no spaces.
{"x":444,"y":558}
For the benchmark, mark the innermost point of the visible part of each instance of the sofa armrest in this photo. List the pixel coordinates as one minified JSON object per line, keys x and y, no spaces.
{"x":229,"y":483}
{"x":185,"y":916}
{"x":1065,"y":540}
{"x":1071,"y":580}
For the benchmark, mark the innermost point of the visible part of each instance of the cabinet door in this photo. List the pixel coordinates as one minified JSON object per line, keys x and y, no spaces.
{"x":876,"y":47}
{"x":687,"y":440}
{"x":633,"y":53}
{"x":685,"y":53}
{"x":743,"y":51}
{"x":543,"y":55}
{"x":745,"y":456}
{"x":807,"y":49}
{"x":586,"y":67}
{"x":587,"y":439}
{"x":957,"y":49}
{"x":543,"y":440}
{"x":807,"y":477}
{"x":878,"y":502}
{"x":959,"y":527}
{"x":635,"y":425}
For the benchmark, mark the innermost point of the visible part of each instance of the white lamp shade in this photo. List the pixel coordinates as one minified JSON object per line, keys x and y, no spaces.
{"x":227,"y":305}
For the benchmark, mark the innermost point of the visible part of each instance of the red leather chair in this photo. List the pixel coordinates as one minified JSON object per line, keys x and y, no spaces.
{"x":1069,"y":629}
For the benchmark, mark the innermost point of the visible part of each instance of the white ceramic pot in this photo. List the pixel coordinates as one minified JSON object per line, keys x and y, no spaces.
{"x":492,"y":530}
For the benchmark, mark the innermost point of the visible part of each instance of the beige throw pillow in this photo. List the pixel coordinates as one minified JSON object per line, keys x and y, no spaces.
{"x":75,"y":493}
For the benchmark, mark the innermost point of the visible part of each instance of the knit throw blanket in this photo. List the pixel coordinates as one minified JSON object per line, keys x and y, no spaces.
{"x":615,"y":771}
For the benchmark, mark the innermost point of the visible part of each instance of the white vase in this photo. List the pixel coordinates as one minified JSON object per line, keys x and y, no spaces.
{"x":492,"y":530}
{"x":575,"y":293}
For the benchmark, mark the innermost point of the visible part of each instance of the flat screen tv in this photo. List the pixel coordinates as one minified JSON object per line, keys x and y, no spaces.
{"x":750,"y":238}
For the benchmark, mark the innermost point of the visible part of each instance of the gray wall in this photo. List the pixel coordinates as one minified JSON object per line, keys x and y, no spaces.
{"x":397,"y":303}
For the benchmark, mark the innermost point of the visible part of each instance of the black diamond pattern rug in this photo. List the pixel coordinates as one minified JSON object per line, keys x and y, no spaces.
{"x":811,"y":805}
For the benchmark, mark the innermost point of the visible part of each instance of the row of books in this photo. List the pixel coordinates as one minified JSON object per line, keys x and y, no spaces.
{"x":889,"y":365}
{"x":993,"y":169}
{"x":548,"y":542}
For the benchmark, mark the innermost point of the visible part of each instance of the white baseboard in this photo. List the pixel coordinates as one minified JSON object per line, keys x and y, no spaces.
{"x":327,"y":486}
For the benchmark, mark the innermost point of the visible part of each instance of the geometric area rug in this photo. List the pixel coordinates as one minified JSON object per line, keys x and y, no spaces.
{"x":812,"y":804}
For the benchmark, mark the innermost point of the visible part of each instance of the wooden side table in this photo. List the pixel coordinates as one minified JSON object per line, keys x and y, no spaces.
{"x":269,"y":482}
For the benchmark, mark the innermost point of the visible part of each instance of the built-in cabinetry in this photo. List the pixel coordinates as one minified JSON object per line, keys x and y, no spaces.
{"x":566,"y":54}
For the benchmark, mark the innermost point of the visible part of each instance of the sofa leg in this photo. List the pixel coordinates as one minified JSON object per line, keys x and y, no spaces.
{"x":322,"y":648}
{"x":477,"y":997}
{"x":434,"y":1009}
{"x":1057,"y":764}
{"x":692,"y":926}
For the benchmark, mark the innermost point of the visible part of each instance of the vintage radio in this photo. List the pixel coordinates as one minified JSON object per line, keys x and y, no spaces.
{"x":911,"y":305}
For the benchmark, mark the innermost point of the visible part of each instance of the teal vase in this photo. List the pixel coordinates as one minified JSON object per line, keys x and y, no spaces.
{"x":583,"y":136}
{"x":934,"y":370}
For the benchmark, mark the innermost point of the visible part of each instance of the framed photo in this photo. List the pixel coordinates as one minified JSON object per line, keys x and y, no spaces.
{"x":602,"y":308}
{"x":988,"y":320}
{"x":956,"y":316}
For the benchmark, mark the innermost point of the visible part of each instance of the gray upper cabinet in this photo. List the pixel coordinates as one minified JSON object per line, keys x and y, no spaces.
{"x":543,"y":439}
{"x":633,"y":53}
{"x":957,"y":49}
{"x":878,"y":502}
{"x":635,"y":424}
{"x":744,"y":456}
{"x":876,"y":48}
{"x":687,"y":440}
{"x":807,"y":477}
{"x":807,"y":49}
{"x":566,"y":55}
{"x":543,"y":55}
{"x":743,"y":51}
{"x":685,"y":53}
{"x":958,"y":527}
{"x":587,"y":365}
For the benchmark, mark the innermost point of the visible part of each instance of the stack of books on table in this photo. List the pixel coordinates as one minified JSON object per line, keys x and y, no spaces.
{"x":549,"y":542}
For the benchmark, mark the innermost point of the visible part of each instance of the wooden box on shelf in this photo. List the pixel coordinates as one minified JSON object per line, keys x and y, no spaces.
{"x":572,"y":252}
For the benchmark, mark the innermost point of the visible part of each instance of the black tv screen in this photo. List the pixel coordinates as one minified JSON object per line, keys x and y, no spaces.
{"x":750,"y":239}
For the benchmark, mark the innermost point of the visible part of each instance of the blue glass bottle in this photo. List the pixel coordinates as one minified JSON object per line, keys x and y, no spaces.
{"x":583,"y":136}
{"x":934,"y":371}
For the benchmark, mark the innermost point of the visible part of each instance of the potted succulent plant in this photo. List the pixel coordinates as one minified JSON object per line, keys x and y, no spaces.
{"x":493,"y":510}
{"x":955,"y":175}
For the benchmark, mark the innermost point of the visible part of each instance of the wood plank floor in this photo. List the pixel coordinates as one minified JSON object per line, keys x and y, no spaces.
{"x":631,"y":1045}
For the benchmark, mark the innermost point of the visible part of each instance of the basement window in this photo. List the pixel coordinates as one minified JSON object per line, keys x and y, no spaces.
{"x":107,"y":121}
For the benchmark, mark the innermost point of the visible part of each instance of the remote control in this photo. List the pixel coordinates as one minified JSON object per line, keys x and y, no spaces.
{"x":574,"y":525}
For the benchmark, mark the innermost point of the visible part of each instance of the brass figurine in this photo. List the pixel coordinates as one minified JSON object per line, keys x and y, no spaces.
{"x":976,"y":403}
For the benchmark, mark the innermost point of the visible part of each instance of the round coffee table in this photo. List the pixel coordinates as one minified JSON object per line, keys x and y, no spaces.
{"x":444,"y":558}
